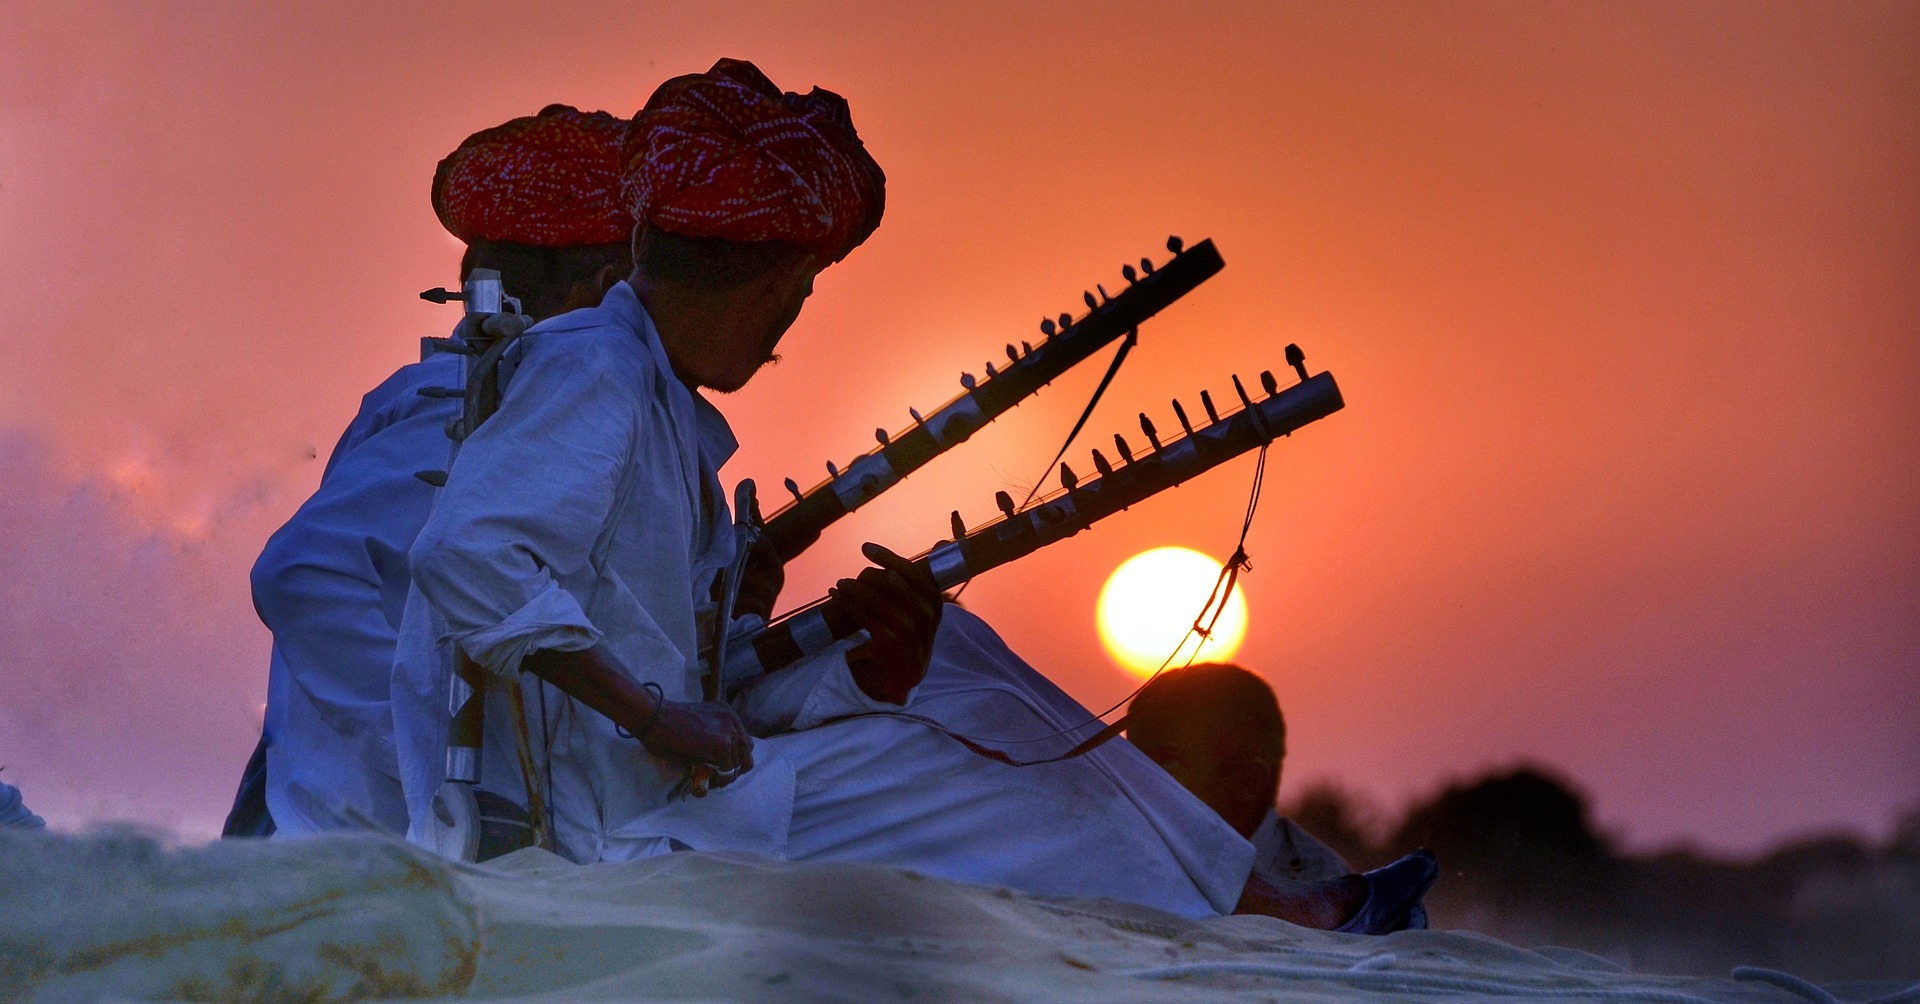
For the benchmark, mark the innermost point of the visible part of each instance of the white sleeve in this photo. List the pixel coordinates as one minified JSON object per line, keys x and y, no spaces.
{"x":329,"y":584}
{"x":527,"y":498}
{"x":814,"y":690}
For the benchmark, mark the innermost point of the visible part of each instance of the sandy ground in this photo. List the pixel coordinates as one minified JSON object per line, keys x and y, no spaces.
{"x":119,"y":916}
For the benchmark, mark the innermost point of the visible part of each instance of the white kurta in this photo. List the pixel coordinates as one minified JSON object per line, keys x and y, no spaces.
{"x":330,"y":585}
{"x":1110,"y":823}
{"x":1285,"y":851}
{"x":589,"y":507}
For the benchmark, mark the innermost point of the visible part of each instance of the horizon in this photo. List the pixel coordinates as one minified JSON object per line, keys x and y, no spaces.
{"x":1620,"y":299}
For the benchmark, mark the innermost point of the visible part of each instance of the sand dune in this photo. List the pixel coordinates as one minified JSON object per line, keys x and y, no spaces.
{"x":363,"y":917}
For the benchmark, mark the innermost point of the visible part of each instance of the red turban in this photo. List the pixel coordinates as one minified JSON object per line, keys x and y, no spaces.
{"x":727,"y":154}
{"x":551,"y":180}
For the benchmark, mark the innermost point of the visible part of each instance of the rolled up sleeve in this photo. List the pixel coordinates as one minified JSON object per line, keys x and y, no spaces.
{"x":527,"y":500}
{"x":809,"y":692}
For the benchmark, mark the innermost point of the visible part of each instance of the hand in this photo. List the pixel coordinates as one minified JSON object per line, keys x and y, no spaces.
{"x":899,"y":605}
{"x":706,"y":736}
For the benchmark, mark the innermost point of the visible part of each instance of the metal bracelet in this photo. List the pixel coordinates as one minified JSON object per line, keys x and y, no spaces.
{"x":659,"y":701}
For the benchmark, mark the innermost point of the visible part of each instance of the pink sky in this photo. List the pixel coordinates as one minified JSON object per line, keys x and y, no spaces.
{"x":1622,"y":297}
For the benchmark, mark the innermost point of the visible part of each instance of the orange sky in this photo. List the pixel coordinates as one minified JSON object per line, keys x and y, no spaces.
{"x":1621,"y":295}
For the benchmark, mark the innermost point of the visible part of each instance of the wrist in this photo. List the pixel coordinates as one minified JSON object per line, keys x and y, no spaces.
{"x":645,"y":718}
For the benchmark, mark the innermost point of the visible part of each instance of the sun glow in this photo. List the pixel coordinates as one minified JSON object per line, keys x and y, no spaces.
{"x":1152,"y":598}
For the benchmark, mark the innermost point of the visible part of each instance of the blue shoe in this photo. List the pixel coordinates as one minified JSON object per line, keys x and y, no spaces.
{"x":1416,"y":918}
{"x":1393,"y":896}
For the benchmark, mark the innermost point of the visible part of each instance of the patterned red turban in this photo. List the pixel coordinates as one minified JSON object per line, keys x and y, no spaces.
{"x":551,"y":180}
{"x":727,"y":154}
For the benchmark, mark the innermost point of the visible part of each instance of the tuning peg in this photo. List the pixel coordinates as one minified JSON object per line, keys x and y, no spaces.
{"x":1092,"y":304}
{"x":1242,"y":391}
{"x":1013,"y":354}
{"x":1146,"y":266}
{"x":1066,"y":321}
{"x":1120,"y":446}
{"x":794,"y":487}
{"x":1046,"y":326}
{"x":966,"y":380}
{"x":959,"y":525}
{"x":1146,"y":426}
{"x":917,"y":420}
{"x":1181,"y":414}
{"x":1298,"y":360}
{"x":1025,"y":349}
{"x":881,"y":435}
{"x":1068,"y":479}
{"x":991,"y":372}
{"x":1268,"y":383}
{"x":833,"y":470}
{"x":1005,"y":502}
{"x":1206,"y":402}
{"x":1175,"y":244}
{"x":1127,"y":272}
{"x":441,"y":295}
{"x":1100,"y":464}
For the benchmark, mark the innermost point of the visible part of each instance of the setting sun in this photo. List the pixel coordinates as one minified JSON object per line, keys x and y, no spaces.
{"x":1148,"y":603}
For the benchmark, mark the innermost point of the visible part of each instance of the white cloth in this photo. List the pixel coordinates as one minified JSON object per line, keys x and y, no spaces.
{"x":587,"y":508}
{"x":1110,"y":823}
{"x":330,"y":585}
{"x":1283,"y":851}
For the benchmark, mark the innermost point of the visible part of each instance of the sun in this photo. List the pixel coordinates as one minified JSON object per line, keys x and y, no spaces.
{"x":1152,"y":598}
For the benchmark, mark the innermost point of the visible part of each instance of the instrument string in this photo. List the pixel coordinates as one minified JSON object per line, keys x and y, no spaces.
{"x":1210,"y":613}
{"x":1203,"y":623}
{"x":1113,"y":369}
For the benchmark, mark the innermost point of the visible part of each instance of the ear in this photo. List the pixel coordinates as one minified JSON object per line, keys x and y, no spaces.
{"x":608,"y":278}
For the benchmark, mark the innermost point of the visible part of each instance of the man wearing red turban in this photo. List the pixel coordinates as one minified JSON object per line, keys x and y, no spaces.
{"x":574,"y":548}
{"x":581,"y":528}
{"x":537,"y":199}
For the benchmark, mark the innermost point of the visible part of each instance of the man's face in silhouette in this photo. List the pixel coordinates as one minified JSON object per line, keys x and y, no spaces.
{"x":1221,"y":766}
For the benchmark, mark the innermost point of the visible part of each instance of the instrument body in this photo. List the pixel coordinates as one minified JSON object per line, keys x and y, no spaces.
{"x":797,"y":526}
{"x":1061,"y":515}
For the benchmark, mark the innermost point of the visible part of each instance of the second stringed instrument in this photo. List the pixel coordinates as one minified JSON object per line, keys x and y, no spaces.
{"x":1078,"y":505}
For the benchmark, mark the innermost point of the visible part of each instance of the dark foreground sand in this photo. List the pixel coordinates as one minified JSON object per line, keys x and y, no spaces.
{"x":360,"y":917}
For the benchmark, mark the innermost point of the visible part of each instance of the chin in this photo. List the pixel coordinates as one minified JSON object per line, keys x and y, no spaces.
{"x":727,"y":383}
{"x":730,"y":382}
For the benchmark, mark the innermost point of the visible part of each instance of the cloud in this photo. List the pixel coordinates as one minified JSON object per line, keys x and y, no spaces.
{"x":131,"y":667}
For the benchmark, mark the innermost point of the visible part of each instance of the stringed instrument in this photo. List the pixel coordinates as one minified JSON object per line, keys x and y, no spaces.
{"x":1076,"y":506}
{"x":1028,"y":368}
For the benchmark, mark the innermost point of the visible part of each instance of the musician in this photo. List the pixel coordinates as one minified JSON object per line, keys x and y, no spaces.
{"x":538,"y":200}
{"x":573,"y":549}
{"x":1217,"y":729}
{"x":581,"y":528}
